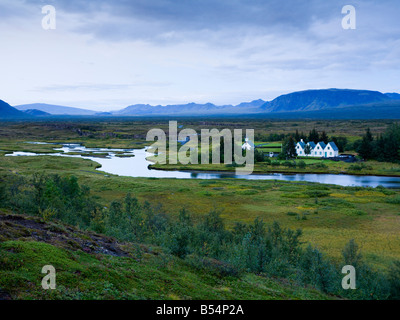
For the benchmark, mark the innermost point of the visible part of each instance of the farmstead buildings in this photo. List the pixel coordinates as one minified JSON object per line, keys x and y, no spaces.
{"x":319,"y":150}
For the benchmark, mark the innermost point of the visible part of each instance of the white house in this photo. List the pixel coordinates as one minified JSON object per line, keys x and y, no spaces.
{"x":331,"y":150}
{"x":248,"y":145}
{"x":300,"y":148}
{"x":319,"y":150}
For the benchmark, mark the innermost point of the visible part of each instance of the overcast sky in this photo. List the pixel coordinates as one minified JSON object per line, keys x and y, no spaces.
{"x":106,"y":55}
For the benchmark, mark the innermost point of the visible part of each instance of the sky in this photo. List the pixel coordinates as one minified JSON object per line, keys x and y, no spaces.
{"x":106,"y":55}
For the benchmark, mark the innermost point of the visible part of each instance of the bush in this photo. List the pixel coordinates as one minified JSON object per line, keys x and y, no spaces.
{"x":213,"y":266}
{"x":394,"y":200}
{"x":317,"y":270}
{"x":357,"y":167}
{"x":394,"y":280}
{"x":301,"y":164}
{"x":317,"y":193}
{"x":275,"y":163}
{"x":320,"y":165}
{"x":290,"y":164}
{"x":352,"y":255}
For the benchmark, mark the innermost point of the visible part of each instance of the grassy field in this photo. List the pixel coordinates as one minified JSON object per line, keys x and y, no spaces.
{"x":118,"y":133}
{"x":329,"y":215}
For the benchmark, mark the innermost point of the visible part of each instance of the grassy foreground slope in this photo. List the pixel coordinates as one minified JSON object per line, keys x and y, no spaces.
{"x":328,"y":215}
{"x":92,"y":266}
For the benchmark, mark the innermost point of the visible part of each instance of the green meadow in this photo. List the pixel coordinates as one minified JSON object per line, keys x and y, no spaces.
{"x":329,"y":216}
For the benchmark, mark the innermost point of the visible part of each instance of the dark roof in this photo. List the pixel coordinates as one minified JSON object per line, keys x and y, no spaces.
{"x":312,"y":144}
{"x":333,"y":146}
{"x":322,"y":144}
{"x":302,"y":144}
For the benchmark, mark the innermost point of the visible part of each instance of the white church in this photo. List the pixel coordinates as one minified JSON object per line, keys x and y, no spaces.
{"x":319,"y":150}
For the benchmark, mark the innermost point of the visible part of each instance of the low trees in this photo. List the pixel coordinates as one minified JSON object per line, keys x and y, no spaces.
{"x":288,"y":149}
{"x":385,"y":148}
{"x":366,"y":148}
{"x":314,"y":136}
{"x":307,"y":149}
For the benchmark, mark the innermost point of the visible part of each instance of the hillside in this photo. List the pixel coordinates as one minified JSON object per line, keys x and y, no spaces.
{"x":191,"y":109}
{"x":36,"y":113}
{"x":7,"y":112}
{"x":381,"y":110}
{"x":92,"y":266}
{"x":314,"y":100}
{"x":56,"y":109}
{"x":393,"y":96}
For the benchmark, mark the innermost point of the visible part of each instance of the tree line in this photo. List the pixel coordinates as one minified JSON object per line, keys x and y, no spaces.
{"x":384,"y":147}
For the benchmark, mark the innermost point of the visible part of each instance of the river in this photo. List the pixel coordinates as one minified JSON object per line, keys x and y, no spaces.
{"x":134,"y":164}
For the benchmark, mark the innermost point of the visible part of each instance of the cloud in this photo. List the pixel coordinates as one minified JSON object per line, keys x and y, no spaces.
{"x":154,"y":19}
{"x":213,"y":50}
{"x":102,"y":86}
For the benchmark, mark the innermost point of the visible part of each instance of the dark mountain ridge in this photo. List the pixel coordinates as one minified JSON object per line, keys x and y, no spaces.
{"x":191,"y":108}
{"x":323,"y":102}
{"x":313,"y":100}
{"x":8,"y":112}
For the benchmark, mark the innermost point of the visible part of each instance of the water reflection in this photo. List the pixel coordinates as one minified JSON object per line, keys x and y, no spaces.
{"x":134,"y":164}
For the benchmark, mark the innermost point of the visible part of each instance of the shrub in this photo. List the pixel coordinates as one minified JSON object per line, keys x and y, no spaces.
{"x":275,"y":163}
{"x":394,"y":280}
{"x":357,"y":167}
{"x":301,"y":165}
{"x":352,"y":254}
{"x":320,"y":165}
{"x":213,"y":266}
{"x":290,"y":164}
{"x":394,"y":200}
{"x":317,"y":193}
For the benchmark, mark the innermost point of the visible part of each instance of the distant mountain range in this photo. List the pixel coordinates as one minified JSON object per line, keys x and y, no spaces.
{"x":191,"y":109}
{"x":56,"y":110}
{"x":324,"y":103}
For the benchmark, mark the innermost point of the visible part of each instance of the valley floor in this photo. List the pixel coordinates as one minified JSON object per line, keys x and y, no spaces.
{"x":329,"y":216}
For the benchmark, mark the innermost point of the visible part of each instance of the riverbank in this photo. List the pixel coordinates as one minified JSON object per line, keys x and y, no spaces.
{"x":370,"y":168}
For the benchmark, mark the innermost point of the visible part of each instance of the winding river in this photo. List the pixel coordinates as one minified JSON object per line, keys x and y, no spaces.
{"x":133,"y":163}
